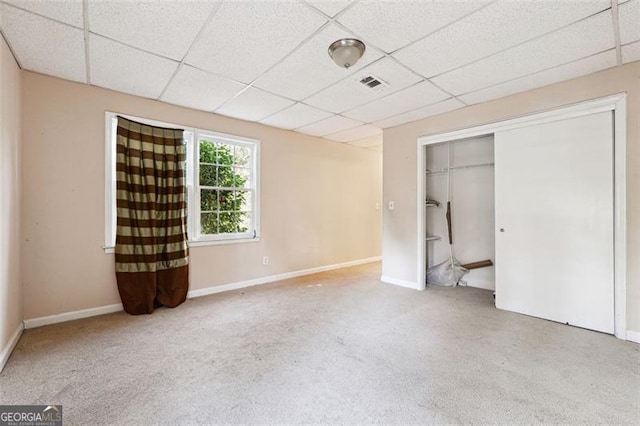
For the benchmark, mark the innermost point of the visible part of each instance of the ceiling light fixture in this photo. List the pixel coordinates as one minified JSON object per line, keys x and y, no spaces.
{"x":346,"y":52}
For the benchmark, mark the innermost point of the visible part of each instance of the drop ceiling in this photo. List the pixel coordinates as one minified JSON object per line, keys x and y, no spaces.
{"x":267,"y":61}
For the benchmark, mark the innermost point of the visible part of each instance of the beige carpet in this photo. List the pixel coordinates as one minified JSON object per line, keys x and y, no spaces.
{"x":337,"y":347}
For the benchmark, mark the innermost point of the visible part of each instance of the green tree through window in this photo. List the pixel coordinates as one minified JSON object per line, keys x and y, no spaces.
{"x":224,"y":188}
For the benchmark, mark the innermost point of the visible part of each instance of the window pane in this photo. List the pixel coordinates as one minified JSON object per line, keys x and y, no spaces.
{"x":242,"y":177}
{"x":207,"y":152}
{"x":242,"y":154}
{"x":240,"y":200}
{"x":229,"y":221}
{"x":208,"y":175}
{"x":245,"y":201}
{"x":225,"y":176}
{"x":226,"y":200}
{"x":209,"y":223}
{"x":209,"y":200}
{"x":233,"y":200}
{"x":224,"y":154}
{"x":245,"y":224}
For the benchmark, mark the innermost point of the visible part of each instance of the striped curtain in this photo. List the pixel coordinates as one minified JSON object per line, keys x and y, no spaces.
{"x":151,"y":239}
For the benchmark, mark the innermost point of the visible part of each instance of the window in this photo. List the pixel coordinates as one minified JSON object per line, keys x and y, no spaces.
{"x":225,"y":186}
{"x":222,"y":185}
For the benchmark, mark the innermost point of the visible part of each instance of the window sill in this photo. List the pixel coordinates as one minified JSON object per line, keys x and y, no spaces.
{"x":203,"y":243}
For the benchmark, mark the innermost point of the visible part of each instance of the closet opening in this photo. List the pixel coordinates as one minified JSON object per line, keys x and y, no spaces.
{"x":459,"y":213}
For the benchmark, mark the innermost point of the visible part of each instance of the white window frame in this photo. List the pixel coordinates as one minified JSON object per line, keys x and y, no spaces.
{"x":192,"y":136}
{"x":254,"y":145}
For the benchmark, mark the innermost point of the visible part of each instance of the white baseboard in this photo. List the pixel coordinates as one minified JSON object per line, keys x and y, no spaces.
{"x":633,"y":336}
{"x":70,"y":316}
{"x":272,"y":278}
{"x":92,"y":312}
{"x":13,"y":341}
{"x":401,"y":283}
{"x":483,"y":284}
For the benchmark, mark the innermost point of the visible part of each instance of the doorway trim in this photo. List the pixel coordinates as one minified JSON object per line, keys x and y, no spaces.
{"x":616,"y":103}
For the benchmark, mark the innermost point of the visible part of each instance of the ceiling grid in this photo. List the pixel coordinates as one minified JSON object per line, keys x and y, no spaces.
{"x":204,"y":25}
{"x":616,"y":30}
{"x":267,"y":61}
{"x":85,"y":23}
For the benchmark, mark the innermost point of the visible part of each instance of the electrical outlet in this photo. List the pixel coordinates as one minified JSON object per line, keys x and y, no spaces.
{"x":265,"y":260}
{"x":377,"y":206}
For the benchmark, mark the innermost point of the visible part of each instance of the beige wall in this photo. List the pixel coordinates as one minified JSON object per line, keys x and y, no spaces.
{"x":400,"y":166}
{"x":10,"y":285}
{"x":317,"y":202}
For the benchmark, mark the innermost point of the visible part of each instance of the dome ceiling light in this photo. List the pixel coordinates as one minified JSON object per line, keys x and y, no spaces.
{"x":346,"y":52}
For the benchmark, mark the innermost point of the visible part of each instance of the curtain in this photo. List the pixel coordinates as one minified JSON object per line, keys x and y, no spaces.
{"x":151,"y":251}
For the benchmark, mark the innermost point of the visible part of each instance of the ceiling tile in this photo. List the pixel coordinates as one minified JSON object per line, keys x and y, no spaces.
{"x":587,"y":37}
{"x":494,"y":28}
{"x":310,"y":69}
{"x":413,"y":97}
{"x":420,"y":113}
{"x":244,"y":39}
{"x":329,"y":125}
{"x":166,"y":28}
{"x":198,"y":89}
{"x":350,"y":93}
{"x":368,"y":142}
{"x":631,"y":52}
{"x":44,"y":46}
{"x":296,"y":116}
{"x":390,"y":25}
{"x":554,"y":75}
{"x":629,"y":14}
{"x":356,"y":133}
{"x":330,"y":7}
{"x":253,"y":105}
{"x":128,"y":70}
{"x":67,"y":11}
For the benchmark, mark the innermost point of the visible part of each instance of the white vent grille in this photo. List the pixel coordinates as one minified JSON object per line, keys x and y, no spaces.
{"x":373,"y":83}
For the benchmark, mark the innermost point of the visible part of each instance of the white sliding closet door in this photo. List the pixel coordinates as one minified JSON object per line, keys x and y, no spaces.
{"x":554,"y":221}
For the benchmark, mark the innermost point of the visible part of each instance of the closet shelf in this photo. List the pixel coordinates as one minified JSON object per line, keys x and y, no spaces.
{"x":467,"y":166}
{"x":432,"y":237}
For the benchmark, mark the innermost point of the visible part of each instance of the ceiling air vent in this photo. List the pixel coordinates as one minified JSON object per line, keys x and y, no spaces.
{"x":373,"y":83}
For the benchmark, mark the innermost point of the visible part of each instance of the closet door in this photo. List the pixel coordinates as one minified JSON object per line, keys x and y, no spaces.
{"x":554,"y":221}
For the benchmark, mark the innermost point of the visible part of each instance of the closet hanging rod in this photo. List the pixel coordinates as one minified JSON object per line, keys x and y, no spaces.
{"x":468,"y":166}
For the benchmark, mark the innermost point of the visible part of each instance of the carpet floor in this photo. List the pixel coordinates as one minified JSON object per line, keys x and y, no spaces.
{"x":336,"y":347}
